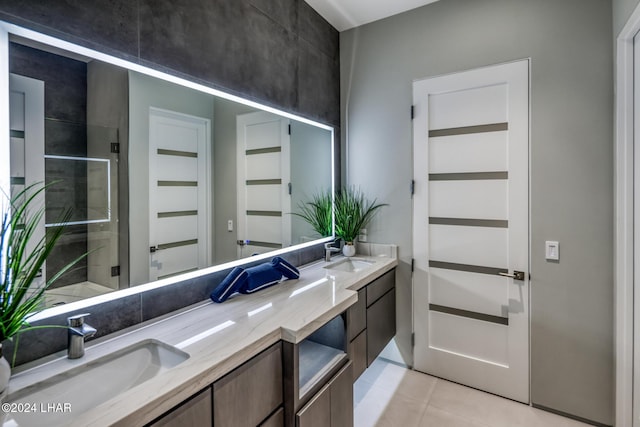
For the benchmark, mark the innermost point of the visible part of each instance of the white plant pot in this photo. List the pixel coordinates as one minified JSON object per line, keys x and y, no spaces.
{"x":349,"y":249}
{"x":5,"y":373}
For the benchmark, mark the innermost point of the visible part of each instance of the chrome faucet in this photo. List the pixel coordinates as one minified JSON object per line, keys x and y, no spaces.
{"x":329,"y":249}
{"x":78,"y":331}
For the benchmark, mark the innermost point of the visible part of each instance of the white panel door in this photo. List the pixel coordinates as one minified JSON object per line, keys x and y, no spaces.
{"x":470,"y":221}
{"x":179,"y":198}
{"x":264,"y":202}
{"x":26,"y":118}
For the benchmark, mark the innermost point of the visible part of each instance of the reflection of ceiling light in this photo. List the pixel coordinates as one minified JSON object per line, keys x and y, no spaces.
{"x":309,"y":286}
{"x":205,"y":334}
{"x":259,"y":309}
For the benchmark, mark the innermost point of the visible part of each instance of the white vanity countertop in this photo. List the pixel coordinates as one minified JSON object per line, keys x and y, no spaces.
{"x":217,"y":337}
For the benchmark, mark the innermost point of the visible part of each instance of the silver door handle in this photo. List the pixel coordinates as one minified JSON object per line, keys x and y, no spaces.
{"x":517,"y":275}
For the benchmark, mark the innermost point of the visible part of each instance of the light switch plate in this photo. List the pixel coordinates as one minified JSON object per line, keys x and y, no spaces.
{"x":552,"y":250}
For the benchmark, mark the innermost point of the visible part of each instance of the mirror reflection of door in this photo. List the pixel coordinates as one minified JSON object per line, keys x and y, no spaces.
{"x":179,"y":213}
{"x":264,"y":200}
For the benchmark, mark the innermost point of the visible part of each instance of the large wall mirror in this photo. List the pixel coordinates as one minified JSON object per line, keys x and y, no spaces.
{"x":163,"y":176}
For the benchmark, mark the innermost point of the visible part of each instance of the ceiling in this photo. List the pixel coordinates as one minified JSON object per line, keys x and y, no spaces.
{"x":346,"y":14}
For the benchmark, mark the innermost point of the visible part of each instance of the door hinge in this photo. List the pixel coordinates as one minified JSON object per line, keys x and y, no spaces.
{"x":290,"y":187}
{"x":413,"y":264}
{"x":289,"y":130}
{"x":413,"y":339}
{"x":115,"y":271}
{"x":115,"y":147}
{"x":412,"y":187}
{"x":413,"y":112}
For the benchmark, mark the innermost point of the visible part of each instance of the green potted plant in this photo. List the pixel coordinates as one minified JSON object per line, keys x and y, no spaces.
{"x":318,"y":213}
{"x":352,"y":213}
{"x":22,"y":256}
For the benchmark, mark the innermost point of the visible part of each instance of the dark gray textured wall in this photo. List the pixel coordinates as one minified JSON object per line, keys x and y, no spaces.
{"x":278,"y":52}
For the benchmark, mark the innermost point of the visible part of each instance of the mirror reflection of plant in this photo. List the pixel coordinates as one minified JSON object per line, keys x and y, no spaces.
{"x":317,"y":212}
{"x":353,"y":211}
{"x":23,"y":255}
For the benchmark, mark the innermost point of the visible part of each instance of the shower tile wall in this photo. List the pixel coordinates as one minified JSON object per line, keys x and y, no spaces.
{"x":65,"y":135}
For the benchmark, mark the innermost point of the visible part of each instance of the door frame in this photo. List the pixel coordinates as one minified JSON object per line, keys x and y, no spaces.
{"x":624,"y":239}
{"x":529,"y":231}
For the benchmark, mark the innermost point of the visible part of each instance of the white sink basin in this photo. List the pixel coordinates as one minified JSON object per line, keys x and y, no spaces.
{"x":87,"y":386}
{"x":350,"y":265}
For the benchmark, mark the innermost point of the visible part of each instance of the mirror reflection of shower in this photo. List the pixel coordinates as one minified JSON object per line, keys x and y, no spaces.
{"x":88,"y":187}
{"x":54,"y":140}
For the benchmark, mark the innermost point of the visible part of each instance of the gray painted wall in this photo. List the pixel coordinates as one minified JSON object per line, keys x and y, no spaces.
{"x":146,"y":92}
{"x":570,"y":46}
{"x":622,"y":9}
{"x":310,"y":173}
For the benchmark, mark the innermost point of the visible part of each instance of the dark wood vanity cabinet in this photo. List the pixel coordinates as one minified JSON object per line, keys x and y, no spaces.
{"x":357,"y":334}
{"x":254,"y":394}
{"x":332,"y":406}
{"x":194,"y":412}
{"x":371,"y":322}
{"x":275,"y":420}
{"x":250,"y":395}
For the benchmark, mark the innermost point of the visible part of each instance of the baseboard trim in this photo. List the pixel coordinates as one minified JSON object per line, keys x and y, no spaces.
{"x":573,"y":417}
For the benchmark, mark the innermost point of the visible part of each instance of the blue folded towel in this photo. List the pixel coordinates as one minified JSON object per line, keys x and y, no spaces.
{"x":230,"y":285}
{"x":260,"y":277}
{"x":254,"y":278}
{"x":287,"y":270}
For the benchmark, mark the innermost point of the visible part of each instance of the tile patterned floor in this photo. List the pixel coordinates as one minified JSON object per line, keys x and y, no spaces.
{"x":390,"y":395}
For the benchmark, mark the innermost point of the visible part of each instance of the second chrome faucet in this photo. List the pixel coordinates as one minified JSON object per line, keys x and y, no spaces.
{"x":329,"y":249}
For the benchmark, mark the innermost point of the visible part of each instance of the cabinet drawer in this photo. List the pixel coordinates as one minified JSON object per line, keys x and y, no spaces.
{"x":251,"y":392}
{"x":358,"y":354}
{"x":317,"y":412}
{"x":275,"y":420}
{"x":195,"y":412}
{"x":381,"y":324}
{"x":380,"y":286}
{"x":332,"y":406}
{"x":357,"y":316}
{"x":342,"y":398}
